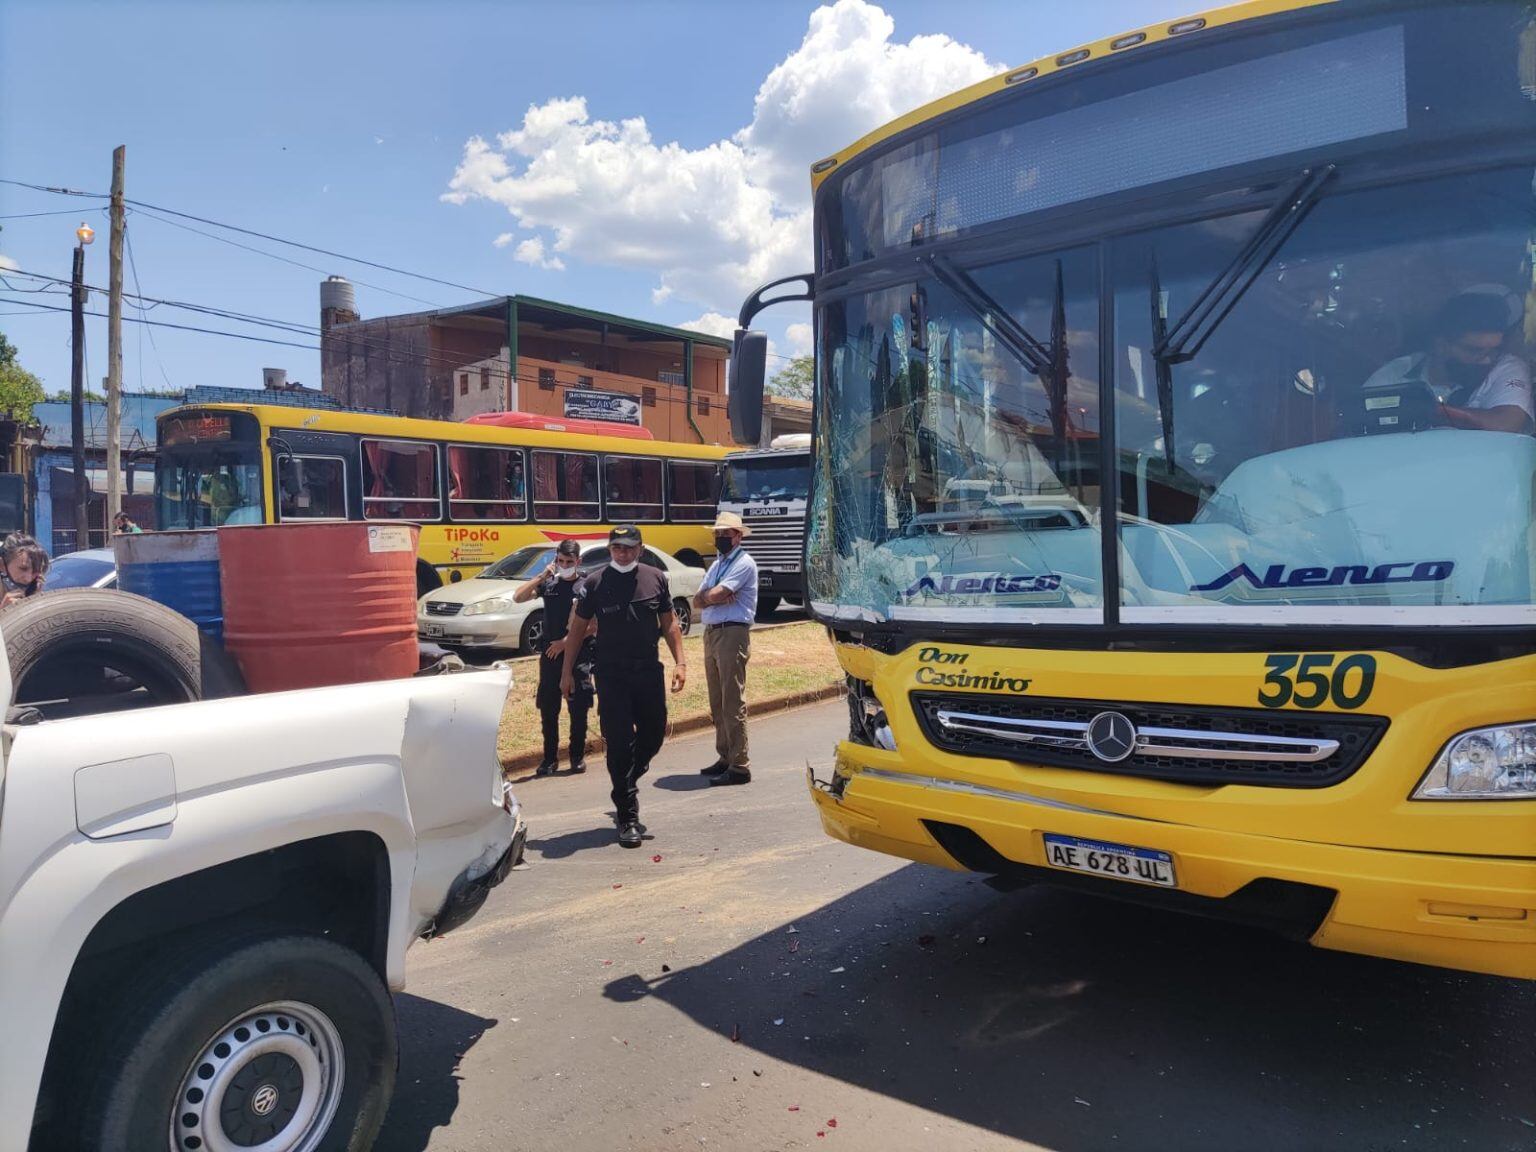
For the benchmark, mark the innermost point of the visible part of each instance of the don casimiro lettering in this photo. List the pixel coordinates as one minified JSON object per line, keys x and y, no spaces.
{"x":954,"y":674}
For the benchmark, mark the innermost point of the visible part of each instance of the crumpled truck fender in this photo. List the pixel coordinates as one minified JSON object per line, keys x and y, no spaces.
{"x":461,"y":828}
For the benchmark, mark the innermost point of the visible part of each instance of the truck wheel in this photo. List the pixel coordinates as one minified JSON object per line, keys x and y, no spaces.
{"x":99,"y":649}
{"x":286,"y":1044}
{"x":766,"y":606}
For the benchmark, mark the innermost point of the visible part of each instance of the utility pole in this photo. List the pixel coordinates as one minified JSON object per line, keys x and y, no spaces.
{"x":115,"y":342}
{"x":85,"y":234}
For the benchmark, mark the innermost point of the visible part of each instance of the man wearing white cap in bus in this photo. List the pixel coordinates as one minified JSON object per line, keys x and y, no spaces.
{"x":726,"y":603}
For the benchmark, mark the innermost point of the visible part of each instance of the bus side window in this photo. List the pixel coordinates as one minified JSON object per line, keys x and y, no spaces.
{"x":691,"y":490}
{"x":633,"y":489}
{"x":400,"y":480}
{"x":312,"y":488}
{"x":565,"y":486}
{"x":485,"y":483}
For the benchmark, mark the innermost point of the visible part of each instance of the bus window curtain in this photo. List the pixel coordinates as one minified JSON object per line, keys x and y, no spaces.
{"x":373,"y":453}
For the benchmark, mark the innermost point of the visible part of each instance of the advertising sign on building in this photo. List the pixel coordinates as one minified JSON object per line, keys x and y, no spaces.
{"x":615,"y":407}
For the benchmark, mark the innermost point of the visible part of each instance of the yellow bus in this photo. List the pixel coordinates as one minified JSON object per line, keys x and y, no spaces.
{"x":477,"y":490}
{"x":1172,"y":495}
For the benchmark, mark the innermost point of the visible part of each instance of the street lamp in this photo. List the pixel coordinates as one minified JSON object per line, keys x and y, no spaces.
{"x":85,"y":233}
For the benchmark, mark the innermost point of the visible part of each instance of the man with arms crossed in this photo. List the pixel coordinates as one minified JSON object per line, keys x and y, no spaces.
{"x":726,"y":603}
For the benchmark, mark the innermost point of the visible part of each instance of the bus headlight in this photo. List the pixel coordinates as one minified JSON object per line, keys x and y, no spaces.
{"x":487,"y":607}
{"x":867,"y":722}
{"x":1496,"y":763}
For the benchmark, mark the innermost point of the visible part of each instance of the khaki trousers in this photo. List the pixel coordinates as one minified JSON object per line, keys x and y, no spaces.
{"x":726,"y":651}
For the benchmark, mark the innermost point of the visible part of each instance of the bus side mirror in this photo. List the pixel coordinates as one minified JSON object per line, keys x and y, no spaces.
{"x":749,"y":367}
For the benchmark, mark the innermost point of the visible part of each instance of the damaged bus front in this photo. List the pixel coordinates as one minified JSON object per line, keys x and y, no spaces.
{"x":1173,"y":475}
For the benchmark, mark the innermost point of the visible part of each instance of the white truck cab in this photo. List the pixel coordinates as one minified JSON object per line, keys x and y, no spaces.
{"x":205,"y":906}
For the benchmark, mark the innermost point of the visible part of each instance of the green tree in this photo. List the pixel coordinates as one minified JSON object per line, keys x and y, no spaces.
{"x":19,"y":389}
{"x":794,"y":380}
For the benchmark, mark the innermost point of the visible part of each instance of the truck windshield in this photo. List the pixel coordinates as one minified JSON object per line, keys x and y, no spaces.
{"x":766,"y":478}
{"x":1353,"y":437}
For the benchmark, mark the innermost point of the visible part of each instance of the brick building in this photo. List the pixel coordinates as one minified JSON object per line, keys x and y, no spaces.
{"x":517,"y":353}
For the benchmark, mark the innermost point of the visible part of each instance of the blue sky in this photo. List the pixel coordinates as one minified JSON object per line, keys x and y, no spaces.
{"x":344,"y":124}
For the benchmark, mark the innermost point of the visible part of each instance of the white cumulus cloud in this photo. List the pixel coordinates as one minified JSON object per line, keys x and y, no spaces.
{"x":503,"y":240}
{"x":531,"y":251}
{"x":710,"y":223}
{"x":799,"y":336}
{"x":7,"y":264}
{"x":712,"y":324}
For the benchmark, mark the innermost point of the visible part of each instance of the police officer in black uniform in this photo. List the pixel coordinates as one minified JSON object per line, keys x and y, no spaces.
{"x":630,"y":606}
{"x":556,"y":586}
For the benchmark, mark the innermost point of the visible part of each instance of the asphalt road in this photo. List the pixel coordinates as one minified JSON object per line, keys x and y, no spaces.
{"x":760,"y":982}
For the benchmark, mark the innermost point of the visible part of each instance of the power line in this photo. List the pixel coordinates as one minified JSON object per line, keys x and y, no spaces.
{"x":150,"y":209}
{"x":168,"y":324}
{"x":30,"y":215}
{"x":159,"y":360}
{"x":283,"y":259}
{"x":386,"y":353}
{"x":367,"y":343}
{"x":312,"y":248}
{"x":54,"y":190}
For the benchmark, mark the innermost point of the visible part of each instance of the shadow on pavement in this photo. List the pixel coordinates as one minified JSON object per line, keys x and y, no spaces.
{"x":434,"y":1039}
{"x":681,"y":782}
{"x":1083,"y":1024}
{"x":570,"y":843}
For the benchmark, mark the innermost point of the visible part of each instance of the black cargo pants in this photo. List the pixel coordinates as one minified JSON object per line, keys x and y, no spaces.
{"x":632,"y":715}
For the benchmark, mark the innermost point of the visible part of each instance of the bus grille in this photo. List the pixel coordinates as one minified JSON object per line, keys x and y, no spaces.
{"x":1182,"y":744}
{"x":776,"y":543}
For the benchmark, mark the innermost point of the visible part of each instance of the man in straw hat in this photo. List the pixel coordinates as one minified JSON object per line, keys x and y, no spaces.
{"x":726,"y":603}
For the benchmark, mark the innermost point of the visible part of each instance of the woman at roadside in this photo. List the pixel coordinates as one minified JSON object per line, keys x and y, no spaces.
{"x":23,"y":565}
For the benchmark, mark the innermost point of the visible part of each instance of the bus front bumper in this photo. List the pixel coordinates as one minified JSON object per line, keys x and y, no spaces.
{"x":1472,"y":913}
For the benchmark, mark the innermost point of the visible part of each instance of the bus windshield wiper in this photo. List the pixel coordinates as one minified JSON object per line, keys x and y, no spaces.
{"x":994,"y":317}
{"x":1047,"y":361}
{"x":1183,"y":341}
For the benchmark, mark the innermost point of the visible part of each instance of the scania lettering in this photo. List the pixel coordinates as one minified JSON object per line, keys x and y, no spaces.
{"x":767,"y":489}
{"x":1134,"y":586}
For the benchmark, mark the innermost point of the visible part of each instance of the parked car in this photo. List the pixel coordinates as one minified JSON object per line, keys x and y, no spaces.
{"x":204,"y":906}
{"x":88,"y":568}
{"x":480,"y":615}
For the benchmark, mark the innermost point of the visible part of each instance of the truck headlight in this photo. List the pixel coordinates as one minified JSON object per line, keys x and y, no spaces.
{"x":1496,"y":763}
{"x":486,"y":607}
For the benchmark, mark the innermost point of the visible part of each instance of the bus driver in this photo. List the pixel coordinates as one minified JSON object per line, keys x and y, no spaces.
{"x":1477,"y":386}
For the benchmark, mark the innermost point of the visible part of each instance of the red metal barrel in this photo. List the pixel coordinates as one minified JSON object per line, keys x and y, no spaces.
{"x":307,"y":605}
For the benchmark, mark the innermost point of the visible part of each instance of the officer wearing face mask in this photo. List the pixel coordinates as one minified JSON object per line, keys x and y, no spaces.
{"x":556,"y":586}
{"x":726,"y":603}
{"x":629,"y":604}
{"x":1477,"y":384}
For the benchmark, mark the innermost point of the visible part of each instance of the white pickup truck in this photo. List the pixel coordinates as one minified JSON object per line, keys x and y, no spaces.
{"x":204,"y":907}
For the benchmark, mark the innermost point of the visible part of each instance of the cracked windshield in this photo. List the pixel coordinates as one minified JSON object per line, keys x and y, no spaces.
{"x":1260,"y":461}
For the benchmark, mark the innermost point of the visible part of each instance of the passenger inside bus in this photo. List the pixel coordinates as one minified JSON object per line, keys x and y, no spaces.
{"x":1477,"y":383}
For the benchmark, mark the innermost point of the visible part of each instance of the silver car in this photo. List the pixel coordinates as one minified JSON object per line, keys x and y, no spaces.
{"x":479,"y":615}
{"x":88,"y":568}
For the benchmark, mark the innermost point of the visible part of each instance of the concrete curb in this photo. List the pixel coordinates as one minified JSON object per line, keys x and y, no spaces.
{"x":692,"y":724}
